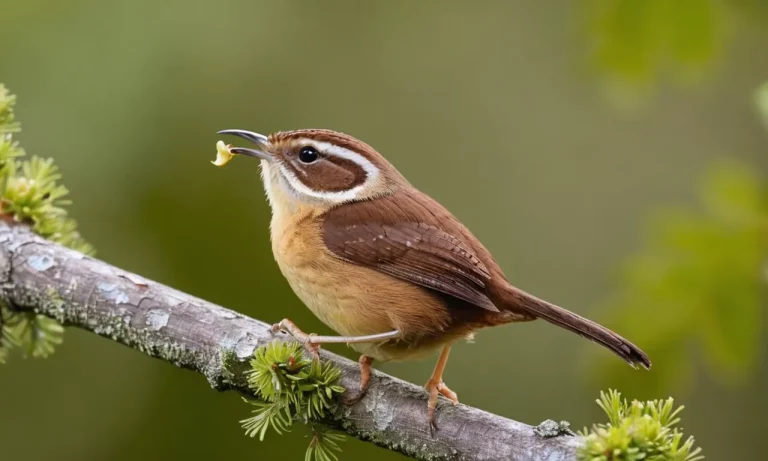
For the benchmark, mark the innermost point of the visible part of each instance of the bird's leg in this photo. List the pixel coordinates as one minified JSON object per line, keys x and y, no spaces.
{"x":313,"y":341}
{"x":304,"y":338}
{"x":435,"y":386}
{"x":365,"y":379}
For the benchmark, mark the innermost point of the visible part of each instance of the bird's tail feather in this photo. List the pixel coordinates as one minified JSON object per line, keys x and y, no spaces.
{"x":509,"y":297}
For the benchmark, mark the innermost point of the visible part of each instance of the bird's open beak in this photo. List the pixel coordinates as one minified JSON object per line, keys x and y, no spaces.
{"x":256,"y":138}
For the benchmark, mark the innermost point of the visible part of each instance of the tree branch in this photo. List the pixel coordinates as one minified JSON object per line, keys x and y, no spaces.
{"x":191,"y":333}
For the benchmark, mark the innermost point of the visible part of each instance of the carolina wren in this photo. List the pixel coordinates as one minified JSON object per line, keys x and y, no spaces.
{"x":383,"y":264}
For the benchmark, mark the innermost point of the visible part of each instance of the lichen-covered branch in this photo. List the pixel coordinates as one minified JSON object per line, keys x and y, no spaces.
{"x":81,"y":291}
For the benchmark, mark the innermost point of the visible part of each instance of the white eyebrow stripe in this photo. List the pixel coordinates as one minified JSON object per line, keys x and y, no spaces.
{"x":372,"y":172}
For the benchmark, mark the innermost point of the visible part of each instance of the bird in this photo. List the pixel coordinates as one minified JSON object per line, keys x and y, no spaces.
{"x":383,"y":264}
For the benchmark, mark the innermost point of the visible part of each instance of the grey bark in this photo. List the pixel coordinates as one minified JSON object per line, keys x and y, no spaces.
{"x":191,"y":333}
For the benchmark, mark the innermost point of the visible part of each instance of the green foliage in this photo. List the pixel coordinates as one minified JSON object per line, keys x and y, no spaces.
{"x":323,"y":445}
{"x":633,"y":38}
{"x":31,"y":195}
{"x":634,"y":43}
{"x":637,"y":431}
{"x":292,"y":387}
{"x":34,"y":334}
{"x":8,"y":122}
{"x":700,"y":279}
{"x":761,"y":103}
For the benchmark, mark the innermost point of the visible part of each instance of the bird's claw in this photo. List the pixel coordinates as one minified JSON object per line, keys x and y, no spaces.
{"x":303,"y":338}
{"x":435,"y":389}
{"x":349,"y":401}
{"x":432,"y":426}
{"x":313,"y":348}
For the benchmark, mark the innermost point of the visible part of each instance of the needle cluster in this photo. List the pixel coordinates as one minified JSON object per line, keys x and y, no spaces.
{"x":291,"y":387}
{"x":30,"y":194}
{"x":637,"y":431}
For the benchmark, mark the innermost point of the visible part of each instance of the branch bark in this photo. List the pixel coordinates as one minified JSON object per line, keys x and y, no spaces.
{"x":80,"y":291}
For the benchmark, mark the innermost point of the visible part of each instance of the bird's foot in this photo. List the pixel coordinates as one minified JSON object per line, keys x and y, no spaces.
{"x":435,"y":388}
{"x":305,"y":339}
{"x":365,"y":380}
{"x":439,"y":388}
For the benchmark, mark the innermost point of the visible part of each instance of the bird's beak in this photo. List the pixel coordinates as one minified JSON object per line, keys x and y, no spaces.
{"x":256,"y":138}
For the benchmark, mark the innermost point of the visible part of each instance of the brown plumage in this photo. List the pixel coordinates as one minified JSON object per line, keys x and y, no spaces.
{"x":369,"y":254}
{"x":410,"y":236}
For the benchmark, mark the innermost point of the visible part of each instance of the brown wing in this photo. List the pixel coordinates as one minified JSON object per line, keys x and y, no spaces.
{"x":412,"y":239}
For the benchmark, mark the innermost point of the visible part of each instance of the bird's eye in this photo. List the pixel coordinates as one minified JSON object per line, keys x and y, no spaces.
{"x":308,"y":154}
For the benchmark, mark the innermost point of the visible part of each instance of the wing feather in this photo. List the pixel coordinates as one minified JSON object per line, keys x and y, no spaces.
{"x":411,"y":246}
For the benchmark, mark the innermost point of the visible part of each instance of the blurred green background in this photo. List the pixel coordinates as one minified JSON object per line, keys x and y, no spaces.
{"x":555,"y":130}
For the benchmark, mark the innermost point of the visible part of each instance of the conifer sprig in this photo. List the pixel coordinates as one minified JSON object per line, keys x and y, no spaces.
{"x":637,"y":431}
{"x":291,"y":387}
{"x":30,"y":194}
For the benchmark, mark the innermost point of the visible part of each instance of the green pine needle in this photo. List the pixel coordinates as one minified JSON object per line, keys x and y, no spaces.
{"x":34,"y":334}
{"x":291,"y":387}
{"x":266,"y":415}
{"x":30,"y":194}
{"x":637,"y":431}
{"x":7,"y":118}
{"x":323,"y":445}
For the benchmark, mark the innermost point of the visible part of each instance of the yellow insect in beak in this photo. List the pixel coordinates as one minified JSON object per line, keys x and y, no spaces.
{"x":223,"y":154}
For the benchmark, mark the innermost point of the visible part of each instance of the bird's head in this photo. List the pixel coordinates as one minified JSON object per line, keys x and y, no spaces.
{"x":317,"y":167}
